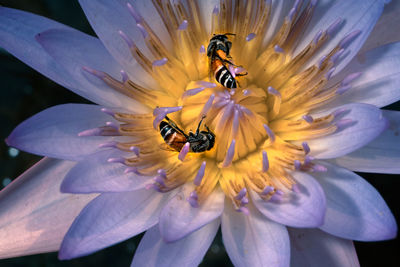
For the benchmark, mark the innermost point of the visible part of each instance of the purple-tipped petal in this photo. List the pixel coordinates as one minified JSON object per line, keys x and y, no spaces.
{"x":253,"y":240}
{"x":354,"y":209}
{"x":178,"y":218}
{"x":379,"y":81}
{"x":358,"y":15}
{"x":188,"y":251}
{"x":303,"y":209}
{"x":111,"y":218}
{"x":87,"y":51}
{"x":367,"y":123}
{"x":382,"y":155}
{"x":54,"y":132}
{"x":315,"y":248}
{"x":34,"y":215}
{"x":109,"y":17}
{"x":96,"y":174}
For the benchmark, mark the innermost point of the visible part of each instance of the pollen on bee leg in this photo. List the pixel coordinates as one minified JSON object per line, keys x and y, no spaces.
{"x":184,"y":151}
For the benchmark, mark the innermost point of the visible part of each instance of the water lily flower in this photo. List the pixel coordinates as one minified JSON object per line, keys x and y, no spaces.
{"x":279,"y":179}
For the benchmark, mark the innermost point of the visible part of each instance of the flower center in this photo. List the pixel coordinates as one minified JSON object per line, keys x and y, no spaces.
{"x":260,"y":127}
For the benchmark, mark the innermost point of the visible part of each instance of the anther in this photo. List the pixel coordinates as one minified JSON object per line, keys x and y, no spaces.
{"x":334,"y":26}
{"x":229,"y":155}
{"x":250,"y":37}
{"x":268,"y":189}
{"x":235,"y":124}
{"x":91,"y":132}
{"x":160,"y":180}
{"x":135,"y":150}
{"x":116,"y":160}
{"x":341,"y":124}
{"x":328,"y":75}
{"x":202,"y":49}
{"x":216,"y":10}
{"x":207,"y":84}
{"x":278,"y":49}
{"x":339,"y":112}
{"x":306,"y":148}
{"x":308,"y":159}
{"x":193,"y":199}
{"x":184,"y":151}
{"x":319,"y":168}
{"x":208,"y":105}
{"x":297,"y":164}
{"x":265,"y":162}
{"x":244,"y":201}
{"x":131,"y":170}
{"x":183,"y":25}
{"x":349,"y":38}
{"x":108,"y":111}
{"x":158,"y":119}
{"x":317,"y":37}
{"x":160,"y":62}
{"x":350,"y":78}
{"x":270,"y":133}
{"x":99,"y":74}
{"x":127,"y":39}
{"x":166,"y":110}
{"x":343,"y":89}
{"x":142,"y":30}
{"x":242,"y":193}
{"x":246,"y":92}
{"x":124,"y":76}
{"x":244,"y":210}
{"x":337,"y":55}
{"x":134,"y":13}
{"x":308,"y":118}
{"x":153,"y":186}
{"x":273,"y":91}
{"x":108,"y":144}
{"x":200,"y":174}
{"x":112,"y":125}
{"x":192,"y":92}
{"x":321,"y":62}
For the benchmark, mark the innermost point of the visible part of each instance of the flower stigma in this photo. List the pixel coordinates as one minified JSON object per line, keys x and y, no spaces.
{"x":261,"y":127}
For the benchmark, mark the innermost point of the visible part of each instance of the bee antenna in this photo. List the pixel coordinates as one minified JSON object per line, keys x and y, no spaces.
{"x":228,"y":33}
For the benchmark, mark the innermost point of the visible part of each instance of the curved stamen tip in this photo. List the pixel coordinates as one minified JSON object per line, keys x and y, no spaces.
{"x":159,"y":179}
{"x":350,"y":78}
{"x":116,"y":160}
{"x":130,"y":170}
{"x":306,"y":148}
{"x":134,"y":13}
{"x":202,"y":49}
{"x":242,"y":193}
{"x":344,"y":123}
{"x":193,"y":199}
{"x":229,"y":155}
{"x":162,"y":173}
{"x":278,"y":49}
{"x":207,"y":84}
{"x":349,"y":38}
{"x":308,"y":118}
{"x":135,"y":150}
{"x":98,"y":74}
{"x":126,"y":38}
{"x":183,"y":25}
{"x":160,"y":62}
{"x":273,"y":91}
{"x":297,"y":164}
{"x":108,"y":111}
{"x":153,"y":186}
{"x":337,"y":55}
{"x":142,"y":30}
{"x":184,"y":151}
{"x":124,"y":76}
{"x":328,"y":75}
{"x":158,"y":119}
{"x":268,"y":189}
{"x":200,"y":174}
{"x":334,"y":26}
{"x":343,"y":89}
{"x":250,"y":37}
{"x":91,"y":132}
{"x":265,"y":162}
{"x":317,"y":37}
{"x":108,"y":144}
{"x":270,"y":133}
{"x":112,"y":125}
{"x":216,"y":10}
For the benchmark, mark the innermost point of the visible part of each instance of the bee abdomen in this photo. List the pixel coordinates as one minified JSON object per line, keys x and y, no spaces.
{"x":224,"y":77}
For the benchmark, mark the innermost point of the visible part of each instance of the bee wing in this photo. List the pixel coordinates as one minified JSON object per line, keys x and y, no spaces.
{"x":210,"y":71}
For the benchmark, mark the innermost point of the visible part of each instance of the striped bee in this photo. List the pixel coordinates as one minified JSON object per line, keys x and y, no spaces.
{"x":176,"y":138}
{"x":218,"y":53}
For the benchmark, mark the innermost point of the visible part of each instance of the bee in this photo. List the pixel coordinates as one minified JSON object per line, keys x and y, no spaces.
{"x":218,"y":52}
{"x":176,"y":138}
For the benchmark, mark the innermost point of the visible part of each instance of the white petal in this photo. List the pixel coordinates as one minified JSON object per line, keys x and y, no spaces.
{"x":253,"y":240}
{"x":34,"y":215}
{"x":178,"y":218}
{"x":189,"y":251}
{"x":366,"y":123}
{"x":87,"y":51}
{"x":382,"y":155}
{"x":354,"y":209}
{"x":315,"y":248}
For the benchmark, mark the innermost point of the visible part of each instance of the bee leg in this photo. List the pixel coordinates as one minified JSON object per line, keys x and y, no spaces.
{"x":198,"y":127}
{"x":242,"y":74}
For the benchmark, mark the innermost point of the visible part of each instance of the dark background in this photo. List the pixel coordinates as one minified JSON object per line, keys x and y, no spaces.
{"x":25,"y":92}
